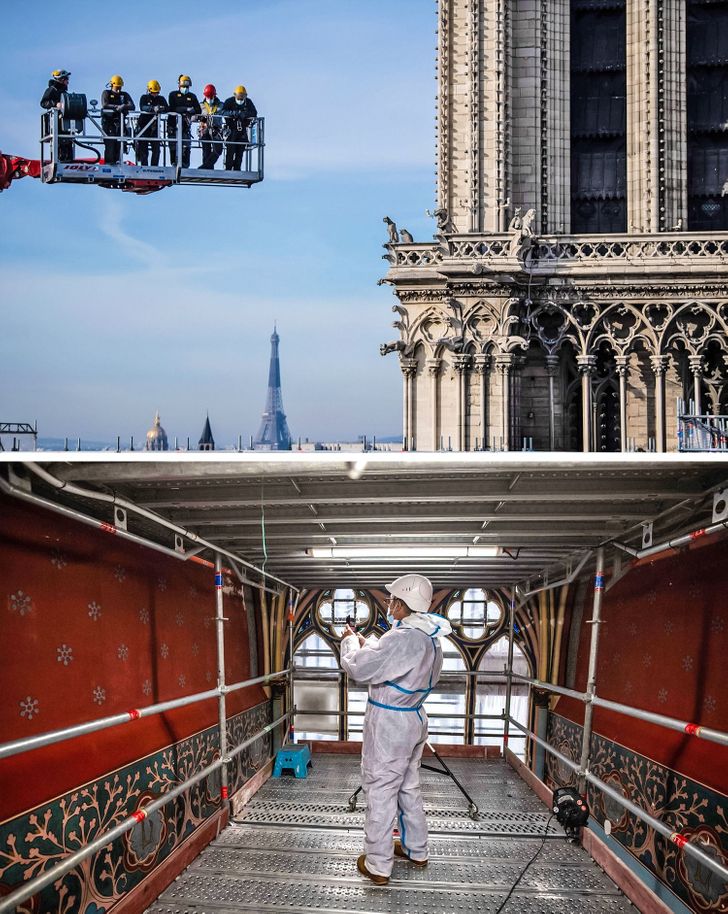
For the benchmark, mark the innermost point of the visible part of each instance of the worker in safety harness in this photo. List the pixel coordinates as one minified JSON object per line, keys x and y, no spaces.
{"x":183,"y":105}
{"x":151,"y":105}
{"x":53,"y":98}
{"x":401,"y":668}
{"x":210,"y":127}
{"x":239,"y":112}
{"x":115,"y":103}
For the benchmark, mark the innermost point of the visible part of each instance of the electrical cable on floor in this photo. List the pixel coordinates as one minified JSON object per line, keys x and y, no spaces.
{"x":523,"y":871}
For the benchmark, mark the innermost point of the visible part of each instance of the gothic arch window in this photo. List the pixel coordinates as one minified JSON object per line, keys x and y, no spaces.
{"x":490,"y":697}
{"x":336,"y":606}
{"x":448,"y":698}
{"x":474,"y":613}
{"x":321,"y":694}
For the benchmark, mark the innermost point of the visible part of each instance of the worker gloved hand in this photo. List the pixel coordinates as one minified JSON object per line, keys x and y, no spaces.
{"x":348,"y":630}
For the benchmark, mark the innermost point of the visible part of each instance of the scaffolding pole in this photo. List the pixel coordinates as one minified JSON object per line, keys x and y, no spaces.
{"x":221,"y":701}
{"x":509,"y":670}
{"x":591,"y":685}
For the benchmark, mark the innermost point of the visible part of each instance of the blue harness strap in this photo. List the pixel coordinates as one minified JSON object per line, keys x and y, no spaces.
{"x":380,"y":704}
{"x":399,"y":688}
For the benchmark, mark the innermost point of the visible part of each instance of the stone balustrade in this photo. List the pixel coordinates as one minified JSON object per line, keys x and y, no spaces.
{"x":550,"y":253}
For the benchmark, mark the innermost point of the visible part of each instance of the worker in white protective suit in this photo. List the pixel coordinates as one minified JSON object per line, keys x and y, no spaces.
{"x":401,"y":668}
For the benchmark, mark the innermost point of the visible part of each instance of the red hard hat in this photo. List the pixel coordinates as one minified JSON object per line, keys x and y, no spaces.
{"x":209,"y":91}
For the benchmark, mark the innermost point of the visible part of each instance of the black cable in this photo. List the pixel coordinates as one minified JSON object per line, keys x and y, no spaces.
{"x":523,"y":871}
{"x":91,"y":148}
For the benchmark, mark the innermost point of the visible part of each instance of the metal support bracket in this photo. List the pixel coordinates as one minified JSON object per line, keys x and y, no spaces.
{"x":647,"y":535}
{"x":19,"y":482}
{"x":720,"y":506}
{"x":179,"y":544}
{"x":119,"y":517}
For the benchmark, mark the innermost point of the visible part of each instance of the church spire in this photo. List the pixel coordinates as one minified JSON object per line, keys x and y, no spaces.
{"x":273,"y":433}
{"x":206,"y":442}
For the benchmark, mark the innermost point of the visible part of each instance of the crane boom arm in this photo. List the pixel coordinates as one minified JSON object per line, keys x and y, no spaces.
{"x":14,"y":167}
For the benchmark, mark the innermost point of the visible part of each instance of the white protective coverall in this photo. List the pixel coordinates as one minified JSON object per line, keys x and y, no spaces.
{"x":401,"y":669}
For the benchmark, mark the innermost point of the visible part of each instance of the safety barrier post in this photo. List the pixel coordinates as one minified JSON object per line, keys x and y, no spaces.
{"x":221,"y":701}
{"x":595,"y":622}
{"x":292,"y":605}
{"x":261,"y":144}
{"x":178,"y":142}
{"x":55,"y":128}
{"x":509,"y":671}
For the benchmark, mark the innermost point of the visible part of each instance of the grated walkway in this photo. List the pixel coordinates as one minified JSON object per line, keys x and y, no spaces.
{"x":294,"y":847}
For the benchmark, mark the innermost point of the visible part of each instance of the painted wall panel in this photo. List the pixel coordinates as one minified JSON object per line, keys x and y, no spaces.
{"x":92,"y":626}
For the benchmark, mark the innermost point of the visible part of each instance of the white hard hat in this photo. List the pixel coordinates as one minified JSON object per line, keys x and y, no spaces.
{"x":413,"y":589}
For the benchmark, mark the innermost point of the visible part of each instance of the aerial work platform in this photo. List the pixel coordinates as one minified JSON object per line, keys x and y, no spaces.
{"x":293,"y":848}
{"x":73,"y":152}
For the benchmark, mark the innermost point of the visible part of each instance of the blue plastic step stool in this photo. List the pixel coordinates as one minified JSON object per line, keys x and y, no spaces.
{"x":296,"y":757}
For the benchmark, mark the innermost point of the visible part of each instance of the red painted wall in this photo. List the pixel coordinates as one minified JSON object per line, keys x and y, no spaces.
{"x":91,"y":626}
{"x":664,"y":648}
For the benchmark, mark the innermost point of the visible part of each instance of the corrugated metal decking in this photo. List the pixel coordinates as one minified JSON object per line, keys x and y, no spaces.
{"x":294,"y":849}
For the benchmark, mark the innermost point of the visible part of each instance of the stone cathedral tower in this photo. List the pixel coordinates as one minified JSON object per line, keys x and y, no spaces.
{"x":576,"y":291}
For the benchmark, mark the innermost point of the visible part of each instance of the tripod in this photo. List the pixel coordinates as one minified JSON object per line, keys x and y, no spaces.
{"x":472,"y":808}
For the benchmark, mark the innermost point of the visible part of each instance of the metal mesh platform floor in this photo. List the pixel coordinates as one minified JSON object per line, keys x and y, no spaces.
{"x":294,"y":849}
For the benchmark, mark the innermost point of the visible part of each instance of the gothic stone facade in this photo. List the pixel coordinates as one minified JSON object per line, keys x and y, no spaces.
{"x":575,"y":296}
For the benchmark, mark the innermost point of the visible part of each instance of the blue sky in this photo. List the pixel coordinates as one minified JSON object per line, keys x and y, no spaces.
{"x":114,"y":306}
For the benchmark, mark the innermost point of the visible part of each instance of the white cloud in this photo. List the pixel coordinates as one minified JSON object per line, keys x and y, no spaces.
{"x":110,"y":223}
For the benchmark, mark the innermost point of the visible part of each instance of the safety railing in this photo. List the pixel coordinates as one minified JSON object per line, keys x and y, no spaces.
{"x":701,"y":434}
{"x":680,"y":841}
{"x":114,"y":720}
{"x":38,"y":883}
{"x":21,"y":488}
{"x":591,"y":700}
{"x":447,"y":687}
{"x":84,"y":150}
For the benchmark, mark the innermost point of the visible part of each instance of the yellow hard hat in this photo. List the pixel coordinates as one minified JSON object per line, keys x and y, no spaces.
{"x":240,"y":90}
{"x":153,"y":86}
{"x":116,"y":80}
{"x":185,"y":79}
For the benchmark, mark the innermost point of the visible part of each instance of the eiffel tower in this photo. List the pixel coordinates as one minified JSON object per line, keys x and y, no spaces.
{"x":273,"y":433}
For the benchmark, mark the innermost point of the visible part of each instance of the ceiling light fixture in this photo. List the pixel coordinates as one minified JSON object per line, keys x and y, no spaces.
{"x":403,"y":552}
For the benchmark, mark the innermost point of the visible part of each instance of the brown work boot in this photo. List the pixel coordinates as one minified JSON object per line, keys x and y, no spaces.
{"x":399,"y":851}
{"x":361,"y":865}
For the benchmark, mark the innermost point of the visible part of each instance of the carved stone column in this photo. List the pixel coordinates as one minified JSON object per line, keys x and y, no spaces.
{"x":696,"y":367}
{"x":473,"y":121}
{"x":622,"y":363}
{"x":656,"y":115}
{"x":461,"y":363}
{"x":482,"y":365}
{"x":659,"y":365}
{"x":587,"y":365}
{"x":504,"y":364}
{"x":433,"y":367}
{"x":552,"y":368}
{"x":409,"y":369}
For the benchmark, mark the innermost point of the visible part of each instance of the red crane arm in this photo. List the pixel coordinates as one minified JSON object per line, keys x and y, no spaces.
{"x":14,"y":167}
